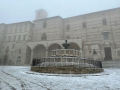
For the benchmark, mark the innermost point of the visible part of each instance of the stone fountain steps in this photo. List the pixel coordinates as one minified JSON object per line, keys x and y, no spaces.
{"x":66,"y":70}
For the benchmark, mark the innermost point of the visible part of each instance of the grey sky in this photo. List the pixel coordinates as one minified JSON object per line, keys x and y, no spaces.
{"x":12,"y":11}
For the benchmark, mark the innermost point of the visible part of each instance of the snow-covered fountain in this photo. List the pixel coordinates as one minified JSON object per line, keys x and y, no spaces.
{"x":66,"y":61}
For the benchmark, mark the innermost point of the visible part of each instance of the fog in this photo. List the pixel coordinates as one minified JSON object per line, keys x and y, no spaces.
{"x":12,"y":11}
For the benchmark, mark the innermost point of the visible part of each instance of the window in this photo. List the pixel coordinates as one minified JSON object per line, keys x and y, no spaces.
{"x":9,"y":38}
{"x":20,"y":30}
{"x":5,"y":31}
{"x":10,"y":31}
{"x":68,"y":27}
{"x":6,"y":50}
{"x":44,"y":37}
{"x":68,"y":37}
{"x":105,"y":36}
{"x":104,"y":22}
{"x":7,"y":47}
{"x":44,"y":24}
{"x":4,"y":38}
{"x":118,"y":52}
{"x":25,"y":30}
{"x":19,"y":37}
{"x":19,"y":50}
{"x":11,"y":53}
{"x":18,"y":58}
{"x":14,"y":39}
{"x":24,"y":37}
{"x":13,"y":45}
{"x":25,"y":25}
{"x":15,"y":30}
{"x":84,"y":24}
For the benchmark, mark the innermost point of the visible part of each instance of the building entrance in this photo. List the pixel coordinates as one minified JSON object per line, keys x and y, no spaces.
{"x":108,"y":55}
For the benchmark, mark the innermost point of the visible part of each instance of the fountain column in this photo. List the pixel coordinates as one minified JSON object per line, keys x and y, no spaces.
{"x":46,"y":52}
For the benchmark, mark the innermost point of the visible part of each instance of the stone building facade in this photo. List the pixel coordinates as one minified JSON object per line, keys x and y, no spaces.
{"x":99,"y":31}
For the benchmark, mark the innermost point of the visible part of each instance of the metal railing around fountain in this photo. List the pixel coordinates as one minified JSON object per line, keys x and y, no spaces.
{"x":74,"y":62}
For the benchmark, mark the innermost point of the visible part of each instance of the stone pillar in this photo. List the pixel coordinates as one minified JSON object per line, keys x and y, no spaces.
{"x":31,"y":57}
{"x":46,"y":52}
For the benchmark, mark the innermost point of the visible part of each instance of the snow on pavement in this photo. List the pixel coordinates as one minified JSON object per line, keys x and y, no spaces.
{"x":21,"y":78}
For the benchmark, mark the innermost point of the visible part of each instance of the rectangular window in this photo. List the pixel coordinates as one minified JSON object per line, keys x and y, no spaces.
{"x":14,"y":39}
{"x":4,"y":38}
{"x":24,"y":37}
{"x":10,"y":31}
{"x":9,"y":38}
{"x":105,"y":36}
{"x":13,"y":45}
{"x":20,"y":30}
{"x":104,"y":22}
{"x":25,"y":25}
{"x":25,"y":30}
{"x":19,"y":37}
{"x":84,"y":25}
{"x":68,"y":27}
{"x":7,"y":47}
{"x":15,"y":30}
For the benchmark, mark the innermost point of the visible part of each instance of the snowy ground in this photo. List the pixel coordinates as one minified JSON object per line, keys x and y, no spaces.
{"x":21,"y":78}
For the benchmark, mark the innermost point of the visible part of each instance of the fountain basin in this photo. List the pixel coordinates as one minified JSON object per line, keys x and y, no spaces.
{"x":66,"y":52}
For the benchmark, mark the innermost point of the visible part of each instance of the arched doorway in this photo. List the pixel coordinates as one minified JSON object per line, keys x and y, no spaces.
{"x":10,"y":62}
{"x":5,"y":59}
{"x":39,"y":51}
{"x":18,"y":61}
{"x":53,"y":47}
{"x":74,"y":46}
{"x":28,"y":55}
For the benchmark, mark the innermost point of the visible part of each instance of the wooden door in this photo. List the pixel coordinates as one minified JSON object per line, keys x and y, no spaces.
{"x":108,"y":54}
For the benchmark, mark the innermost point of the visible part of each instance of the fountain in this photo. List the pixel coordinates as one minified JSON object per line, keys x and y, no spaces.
{"x":66,"y":45}
{"x":66,"y":61}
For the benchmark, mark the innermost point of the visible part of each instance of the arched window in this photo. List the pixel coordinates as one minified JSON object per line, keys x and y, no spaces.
{"x":44,"y":36}
{"x":68,"y":37}
{"x":68,"y":27}
{"x":44,"y":24}
{"x":18,"y":58}
{"x":7,"y":47}
{"x":84,"y":24}
{"x":104,"y":22}
{"x":118,"y":52}
{"x":19,"y":50}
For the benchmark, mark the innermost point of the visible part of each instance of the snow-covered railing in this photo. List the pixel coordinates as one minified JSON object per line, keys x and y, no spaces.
{"x":67,"y":62}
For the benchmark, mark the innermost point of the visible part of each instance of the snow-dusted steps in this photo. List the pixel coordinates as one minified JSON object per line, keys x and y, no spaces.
{"x":111,"y":64}
{"x":66,"y":70}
